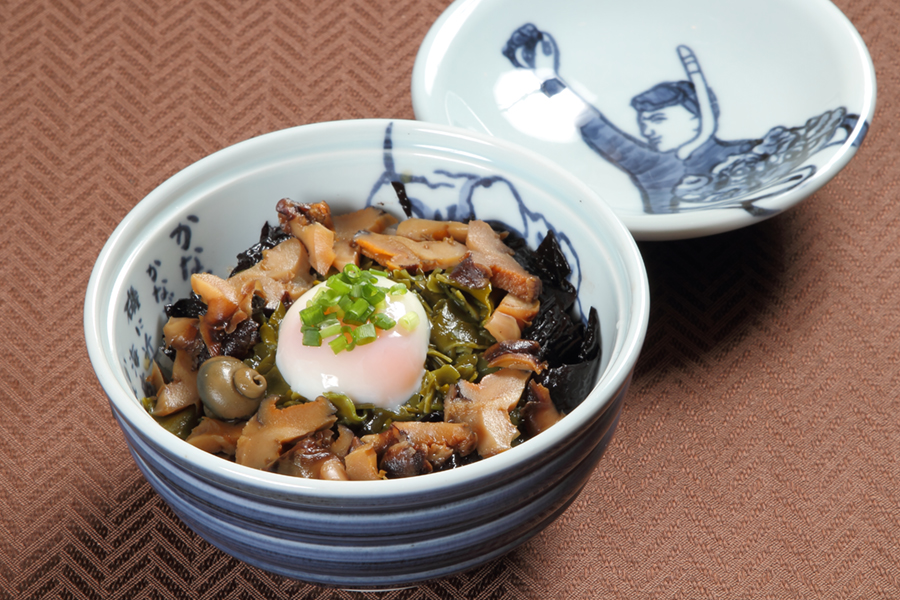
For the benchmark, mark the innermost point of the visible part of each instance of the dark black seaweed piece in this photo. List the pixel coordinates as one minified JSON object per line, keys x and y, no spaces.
{"x":590,"y":348}
{"x":547,"y":262}
{"x":240,"y":342}
{"x":569,"y":384}
{"x":258,"y":311}
{"x":269,"y":237}
{"x":553,"y":268}
{"x":435,"y":416}
{"x":191,"y":307}
{"x":555,"y":330}
{"x":456,"y":461}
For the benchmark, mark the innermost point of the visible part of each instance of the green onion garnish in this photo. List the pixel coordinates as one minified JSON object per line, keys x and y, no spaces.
{"x":349,"y":309}
{"x":311,"y":337}
{"x":312,"y":315}
{"x":382,"y":321}
{"x":335,"y":283}
{"x":352,"y":271}
{"x":338,"y":343}
{"x":364,"y":334}
{"x":409,"y":321}
{"x":331,"y":329}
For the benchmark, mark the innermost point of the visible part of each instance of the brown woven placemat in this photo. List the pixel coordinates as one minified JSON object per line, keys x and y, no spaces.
{"x":757,"y":455}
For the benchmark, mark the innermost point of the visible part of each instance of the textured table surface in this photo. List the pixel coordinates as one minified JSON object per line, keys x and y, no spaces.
{"x":759,"y":450}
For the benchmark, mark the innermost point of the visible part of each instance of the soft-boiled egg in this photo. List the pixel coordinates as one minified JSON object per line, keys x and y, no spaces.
{"x":384,"y":373}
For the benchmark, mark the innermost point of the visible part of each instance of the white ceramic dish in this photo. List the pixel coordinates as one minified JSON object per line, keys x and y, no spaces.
{"x":361,"y":533}
{"x":761,"y":103}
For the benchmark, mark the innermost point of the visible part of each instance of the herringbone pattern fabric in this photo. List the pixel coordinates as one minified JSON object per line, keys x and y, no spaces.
{"x":758,"y":454}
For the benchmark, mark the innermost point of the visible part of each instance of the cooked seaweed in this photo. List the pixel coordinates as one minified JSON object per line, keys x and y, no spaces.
{"x":241,"y":341}
{"x":269,"y":237}
{"x":570,"y":383}
{"x":191,"y":307}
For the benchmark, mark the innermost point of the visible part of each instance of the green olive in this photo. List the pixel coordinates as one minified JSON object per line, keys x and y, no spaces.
{"x":229,"y":389}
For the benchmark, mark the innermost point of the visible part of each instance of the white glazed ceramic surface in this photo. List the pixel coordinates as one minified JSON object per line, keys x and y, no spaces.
{"x":380,"y":533}
{"x":792,"y":95}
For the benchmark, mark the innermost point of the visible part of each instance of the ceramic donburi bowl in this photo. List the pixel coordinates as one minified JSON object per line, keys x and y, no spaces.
{"x":361,"y":533}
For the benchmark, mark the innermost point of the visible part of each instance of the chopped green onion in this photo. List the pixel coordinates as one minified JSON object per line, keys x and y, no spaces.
{"x":325,"y":297}
{"x":311,"y":337}
{"x":330,"y":319}
{"x":330,"y":330}
{"x":382,"y":321}
{"x":373,"y":294}
{"x":339,"y":343}
{"x":409,"y":321}
{"x":358,"y":312}
{"x":352,"y":271}
{"x":365,"y":334}
{"x":312,"y":315}
{"x":337,"y":284}
{"x":351,"y":307}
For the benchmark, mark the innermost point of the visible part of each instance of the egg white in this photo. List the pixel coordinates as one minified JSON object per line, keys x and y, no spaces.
{"x":384,"y":373}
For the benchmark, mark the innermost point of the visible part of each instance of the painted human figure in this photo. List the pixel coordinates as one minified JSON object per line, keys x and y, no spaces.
{"x":680,"y":163}
{"x":460,"y":196}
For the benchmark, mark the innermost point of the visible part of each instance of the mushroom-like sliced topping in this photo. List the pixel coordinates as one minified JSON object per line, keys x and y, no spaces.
{"x":489,"y":250}
{"x":284,"y":269}
{"x":307,"y":457}
{"x":319,"y":242}
{"x":485,"y":408}
{"x":183,"y":333}
{"x":223,"y":309}
{"x":215,"y":436}
{"x":381,"y":441}
{"x":458,"y":436}
{"x":181,"y":392}
{"x":404,"y":459}
{"x":439,"y":440}
{"x":263,"y":435}
{"x":156,"y":378}
{"x":311,"y":224}
{"x":539,"y":412}
{"x":362,"y":464}
{"x":503,"y":327}
{"x":303,"y":214}
{"x":221,"y":298}
{"x":333,"y":469}
{"x":281,"y":263}
{"x":341,"y":444}
{"x":471,"y":275}
{"x":515,"y":354}
{"x":397,"y":252}
{"x":362,"y":461}
{"x":427,"y":229}
{"x":524,"y":312}
{"x":347,"y":225}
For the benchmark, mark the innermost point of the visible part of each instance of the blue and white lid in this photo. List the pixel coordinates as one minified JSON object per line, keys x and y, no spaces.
{"x":688,"y":118}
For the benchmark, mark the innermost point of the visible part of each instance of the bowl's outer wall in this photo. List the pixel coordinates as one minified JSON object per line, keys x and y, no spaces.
{"x":398,"y":547}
